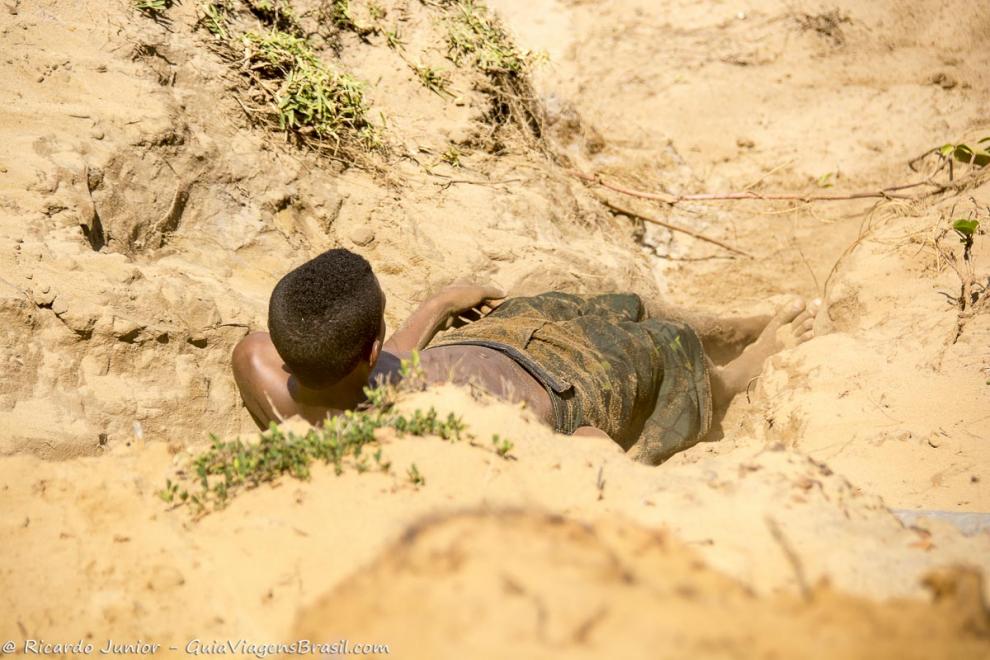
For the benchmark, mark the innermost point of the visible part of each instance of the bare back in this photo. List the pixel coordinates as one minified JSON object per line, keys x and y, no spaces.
{"x":491,"y":370}
{"x":271,"y":394}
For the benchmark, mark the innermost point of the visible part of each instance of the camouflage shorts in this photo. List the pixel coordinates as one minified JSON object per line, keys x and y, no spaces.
{"x":604,"y":364}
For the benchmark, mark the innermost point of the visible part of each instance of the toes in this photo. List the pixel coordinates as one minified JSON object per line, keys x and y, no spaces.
{"x":814,"y":306}
{"x":807,"y":335}
{"x":788,"y":313}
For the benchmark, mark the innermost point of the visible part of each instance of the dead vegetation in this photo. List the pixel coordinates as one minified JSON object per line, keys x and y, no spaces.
{"x":292,"y":88}
{"x":478,"y":39}
{"x":475,"y":40}
{"x":827,"y":24}
{"x":973,"y":286}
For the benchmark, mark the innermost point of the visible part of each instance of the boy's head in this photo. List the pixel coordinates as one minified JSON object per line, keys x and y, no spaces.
{"x":325,"y":316}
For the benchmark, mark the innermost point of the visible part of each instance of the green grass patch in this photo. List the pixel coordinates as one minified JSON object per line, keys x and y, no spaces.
{"x":227,"y":467}
{"x":316,"y":103}
{"x":477,"y":39}
{"x":502,"y":446}
{"x":416,"y":477}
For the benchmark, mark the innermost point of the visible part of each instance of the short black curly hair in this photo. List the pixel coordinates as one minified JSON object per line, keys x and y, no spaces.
{"x":324,"y":316}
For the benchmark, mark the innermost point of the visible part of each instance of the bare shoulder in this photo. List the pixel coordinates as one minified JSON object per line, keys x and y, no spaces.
{"x":252,"y":347}
{"x":261,"y":378}
{"x":253,"y":356}
{"x":251,"y":342}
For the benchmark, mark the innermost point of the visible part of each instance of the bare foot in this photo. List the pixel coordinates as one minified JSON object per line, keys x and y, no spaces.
{"x":791,"y":326}
{"x":724,"y":338}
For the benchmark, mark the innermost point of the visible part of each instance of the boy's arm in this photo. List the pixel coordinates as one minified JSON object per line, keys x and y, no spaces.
{"x":433,"y":314}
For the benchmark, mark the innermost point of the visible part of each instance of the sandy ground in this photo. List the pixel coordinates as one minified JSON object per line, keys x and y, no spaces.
{"x":115,"y":340}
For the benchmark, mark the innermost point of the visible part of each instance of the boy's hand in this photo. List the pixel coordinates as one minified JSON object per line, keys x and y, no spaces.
{"x":451,"y":307}
{"x":460,"y":297}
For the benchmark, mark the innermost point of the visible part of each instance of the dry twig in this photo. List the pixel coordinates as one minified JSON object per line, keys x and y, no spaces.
{"x":890,"y":192}
{"x":886,"y":193}
{"x":793,"y":558}
{"x":683,"y":230}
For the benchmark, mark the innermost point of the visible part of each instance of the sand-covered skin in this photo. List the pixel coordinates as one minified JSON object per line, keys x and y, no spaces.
{"x":116,"y":356}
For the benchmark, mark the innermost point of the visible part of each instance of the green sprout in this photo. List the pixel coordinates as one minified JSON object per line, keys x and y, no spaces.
{"x":502,"y":446}
{"x":393,"y":39}
{"x":215,"y":16}
{"x":152,"y":8}
{"x":977,"y":156}
{"x":434,"y":80}
{"x":452,"y":156}
{"x":415,"y":476}
{"x":966,"y":229}
{"x":967,"y":154}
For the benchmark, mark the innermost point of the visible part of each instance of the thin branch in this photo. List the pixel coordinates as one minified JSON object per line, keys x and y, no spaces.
{"x":793,"y":558}
{"x":886,"y":193}
{"x":683,"y":230}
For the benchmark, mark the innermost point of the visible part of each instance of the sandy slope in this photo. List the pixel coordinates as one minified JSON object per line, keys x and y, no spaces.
{"x":141,"y":330}
{"x":757,"y":94}
{"x":117,"y":563}
{"x":115,"y":350}
{"x":554,"y":588}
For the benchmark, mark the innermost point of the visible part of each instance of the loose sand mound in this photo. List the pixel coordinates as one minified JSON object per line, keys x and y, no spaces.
{"x":147,"y":208}
{"x":91,"y":551}
{"x":516,"y":584}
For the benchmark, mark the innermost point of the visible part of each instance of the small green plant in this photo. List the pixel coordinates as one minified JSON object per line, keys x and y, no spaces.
{"x":411,"y":372}
{"x":966,"y":229}
{"x":429,"y":423}
{"x":972,"y":298}
{"x":230,"y":466}
{"x":376,"y":11}
{"x":383,"y":464}
{"x":452,"y":156}
{"x":965,"y":153}
{"x":153,"y":8}
{"x":415,"y":476}
{"x":434,"y":80}
{"x":312,"y":100}
{"x":474,"y":36}
{"x":215,"y":16}
{"x":502,"y":446}
{"x":477,"y":39}
{"x":393,"y":39}
{"x":977,"y":156}
{"x":825,"y":180}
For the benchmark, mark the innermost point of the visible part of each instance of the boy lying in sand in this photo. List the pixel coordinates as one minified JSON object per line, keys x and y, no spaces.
{"x":590,"y":365}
